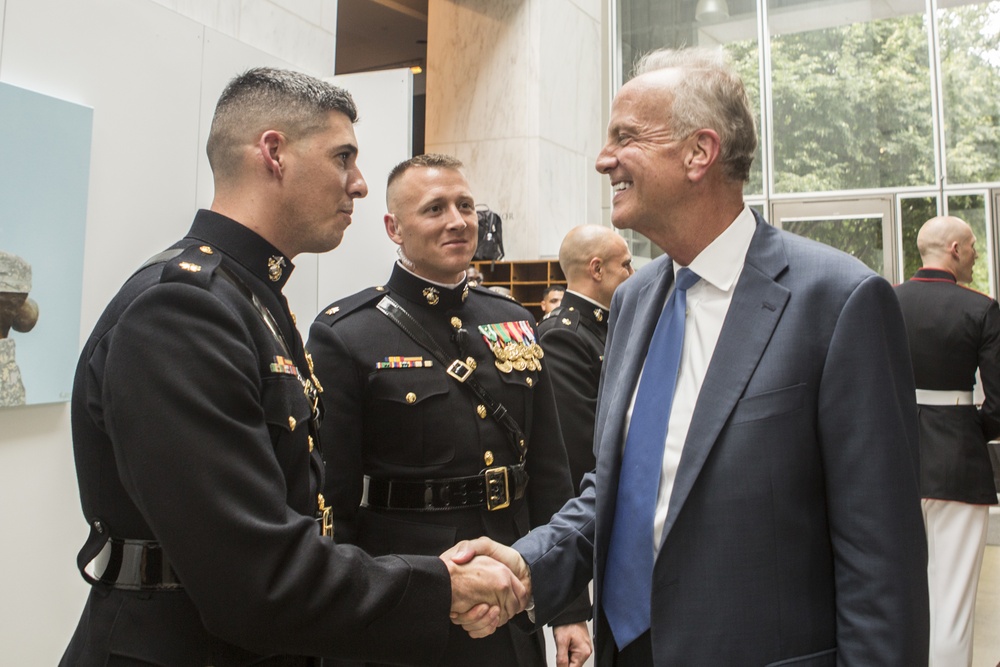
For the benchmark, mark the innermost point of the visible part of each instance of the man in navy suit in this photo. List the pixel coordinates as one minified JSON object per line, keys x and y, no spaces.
{"x":786,"y":524}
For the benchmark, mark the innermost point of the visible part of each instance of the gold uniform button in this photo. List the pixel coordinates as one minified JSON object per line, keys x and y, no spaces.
{"x":456,"y":323}
{"x":481,"y":411}
{"x":488,"y":458}
{"x":411,"y":397}
{"x":529,"y":381}
{"x":206,"y":249}
{"x":567,"y":321}
{"x":380,"y":288}
{"x":291,"y":423}
{"x":295,"y":320}
{"x":311,"y":443}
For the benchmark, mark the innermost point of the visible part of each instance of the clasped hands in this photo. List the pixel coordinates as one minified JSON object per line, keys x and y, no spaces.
{"x":490,"y":584}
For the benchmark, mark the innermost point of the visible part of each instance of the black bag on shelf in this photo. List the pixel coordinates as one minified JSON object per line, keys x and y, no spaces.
{"x":490,"y":246}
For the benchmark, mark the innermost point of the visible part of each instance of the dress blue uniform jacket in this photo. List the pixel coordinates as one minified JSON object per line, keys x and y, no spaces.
{"x":952,"y":332}
{"x":192,"y":429}
{"x":573,"y":337}
{"x":794,"y":534}
{"x":391,"y":415}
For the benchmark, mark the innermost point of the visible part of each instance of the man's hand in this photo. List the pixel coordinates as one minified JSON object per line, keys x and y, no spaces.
{"x":484,"y":592}
{"x":573,"y":644}
{"x":482,"y":620}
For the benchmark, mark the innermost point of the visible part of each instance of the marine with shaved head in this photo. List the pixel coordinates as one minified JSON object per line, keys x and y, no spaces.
{"x":595,"y":261}
{"x":953,"y":331}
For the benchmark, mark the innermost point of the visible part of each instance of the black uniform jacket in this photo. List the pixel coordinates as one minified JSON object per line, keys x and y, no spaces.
{"x":572,"y":337}
{"x":393,"y":413}
{"x":191,"y":428}
{"x":953,"y":331}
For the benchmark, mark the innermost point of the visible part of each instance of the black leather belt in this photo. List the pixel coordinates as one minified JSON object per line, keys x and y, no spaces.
{"x":137,"y":565}
{"x":493,"y":489}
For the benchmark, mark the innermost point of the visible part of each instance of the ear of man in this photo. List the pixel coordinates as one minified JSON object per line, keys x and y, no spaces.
{"x":271,"y":147}
{"x":703,"y":152}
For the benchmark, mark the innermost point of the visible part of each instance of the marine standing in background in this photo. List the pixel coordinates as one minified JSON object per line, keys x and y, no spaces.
{"x":595,"y":260}
{"x":442,"y":425}
{"x":953,"y":331}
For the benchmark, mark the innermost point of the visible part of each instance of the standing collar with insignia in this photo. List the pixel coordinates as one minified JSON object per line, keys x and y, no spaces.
{"x":425,"y":293}
{"x":244,"y":245}
{"x":934,"y":275}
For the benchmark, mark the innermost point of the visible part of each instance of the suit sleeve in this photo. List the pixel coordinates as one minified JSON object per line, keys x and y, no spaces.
{"x":989,"y":371}
{"x":341,"y":431}
{"x":186,"y":411}
{"x":868,"y":436}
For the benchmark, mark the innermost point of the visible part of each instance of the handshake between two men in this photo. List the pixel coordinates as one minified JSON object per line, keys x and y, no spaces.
{"x":490,"y":584}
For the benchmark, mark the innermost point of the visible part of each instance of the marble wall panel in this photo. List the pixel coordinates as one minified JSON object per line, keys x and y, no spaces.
{"x":480,"y":82}
{"x":310,"y":10}
{"x":284,"y":34}
{"x":570,"y":104}
{"x":220,"y":15}
{"x":562,"y":201}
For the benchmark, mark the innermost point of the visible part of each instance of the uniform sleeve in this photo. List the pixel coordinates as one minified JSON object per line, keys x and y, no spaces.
{"x":184,"y":407}
{"x":989,"y":371}
{"x":341,"y":432}
{"x":575,"y":374}
{"x":868,"y":437}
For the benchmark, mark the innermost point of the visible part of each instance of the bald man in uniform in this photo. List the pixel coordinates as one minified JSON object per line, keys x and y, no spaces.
{"x":953,"y":331}
{"x":595,"y":260}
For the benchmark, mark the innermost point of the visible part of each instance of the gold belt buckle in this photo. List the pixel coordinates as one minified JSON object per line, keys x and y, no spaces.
{"x":459,"y":370}
{"x":497,"y":488}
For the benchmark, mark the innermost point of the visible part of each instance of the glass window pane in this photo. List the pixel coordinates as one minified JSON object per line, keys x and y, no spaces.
{"x":857,"y":236}
{"x":645,"y":25}
{"x":969,"y":35}
{"x":915,"y":212}
{"x":972,"y":209}
{"x":852,"y":95}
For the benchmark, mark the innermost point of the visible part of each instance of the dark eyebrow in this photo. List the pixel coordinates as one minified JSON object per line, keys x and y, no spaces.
{"x":350,"y":149}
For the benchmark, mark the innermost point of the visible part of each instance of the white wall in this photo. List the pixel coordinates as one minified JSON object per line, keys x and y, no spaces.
{"x":152,"y":76}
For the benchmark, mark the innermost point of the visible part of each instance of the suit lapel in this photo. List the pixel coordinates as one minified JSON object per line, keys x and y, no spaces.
{"x":754,"y":313}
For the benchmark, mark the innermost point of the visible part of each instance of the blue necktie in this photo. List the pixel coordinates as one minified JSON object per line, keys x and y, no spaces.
{"x":629,"y":573}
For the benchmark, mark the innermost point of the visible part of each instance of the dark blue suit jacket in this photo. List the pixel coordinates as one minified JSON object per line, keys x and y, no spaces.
{"x":794,"y":534}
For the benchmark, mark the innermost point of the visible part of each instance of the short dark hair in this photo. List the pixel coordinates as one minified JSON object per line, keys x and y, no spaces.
{"x":552,"y":288}
{"x":266,"y":98}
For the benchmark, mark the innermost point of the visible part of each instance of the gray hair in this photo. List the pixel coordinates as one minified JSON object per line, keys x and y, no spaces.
{"x":711,"y":95}
{"x":266,"y":98}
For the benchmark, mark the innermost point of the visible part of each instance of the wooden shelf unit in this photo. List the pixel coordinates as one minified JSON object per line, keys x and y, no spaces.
{"x":526,"y":280}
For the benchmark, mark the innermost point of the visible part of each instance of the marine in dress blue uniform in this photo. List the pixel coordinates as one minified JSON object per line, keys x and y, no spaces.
{"x":195,"y":426}
{"x":952,"y":332}
{"x":595,"y":260}
{"x":415,"y":460}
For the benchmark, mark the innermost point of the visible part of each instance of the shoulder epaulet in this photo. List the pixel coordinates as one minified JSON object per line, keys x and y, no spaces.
{"x":566,"y":317}
{"x":349,"y":304}
{"x":194,"y":265}
{"x":486,"y":291}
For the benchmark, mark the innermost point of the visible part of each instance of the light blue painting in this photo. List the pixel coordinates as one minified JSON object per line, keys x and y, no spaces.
{"x":43,"y":213}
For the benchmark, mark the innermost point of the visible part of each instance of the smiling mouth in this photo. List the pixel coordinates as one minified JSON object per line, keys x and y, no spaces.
{"x":622,"y":186}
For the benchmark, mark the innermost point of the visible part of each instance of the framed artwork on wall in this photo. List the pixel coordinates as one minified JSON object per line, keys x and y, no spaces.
{"x":43,"y":214}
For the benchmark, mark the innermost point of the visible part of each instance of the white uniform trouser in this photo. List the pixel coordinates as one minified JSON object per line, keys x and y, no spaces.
{"x":956,"y":539}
